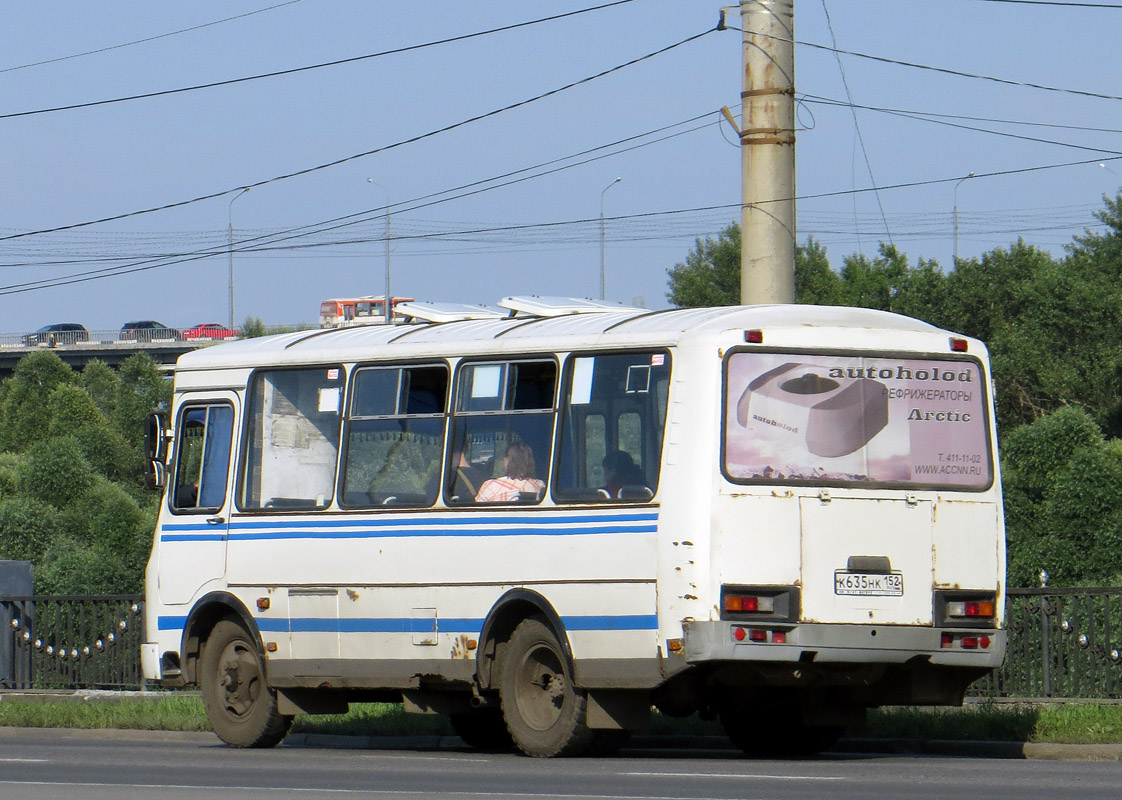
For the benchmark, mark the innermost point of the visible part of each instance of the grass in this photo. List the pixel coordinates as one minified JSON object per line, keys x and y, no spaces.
{"x":1071,"y":723}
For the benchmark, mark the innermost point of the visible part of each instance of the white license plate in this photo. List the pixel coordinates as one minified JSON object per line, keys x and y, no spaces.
{"x":864,"y":583}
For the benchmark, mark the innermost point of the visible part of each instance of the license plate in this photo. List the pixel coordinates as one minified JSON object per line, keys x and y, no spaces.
{"x":864,"y":583}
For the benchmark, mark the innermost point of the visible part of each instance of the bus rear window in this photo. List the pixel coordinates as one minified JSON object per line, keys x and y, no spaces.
{"x":839,"y":419}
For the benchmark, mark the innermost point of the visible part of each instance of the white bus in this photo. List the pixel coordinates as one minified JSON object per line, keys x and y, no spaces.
{"x":778,"y":515}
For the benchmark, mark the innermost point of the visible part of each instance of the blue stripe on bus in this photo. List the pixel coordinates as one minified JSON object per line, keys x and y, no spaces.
{"x":412,"y":527}
{"x":192,"y":537}
{"x":418,"y":533}
{"x":399,"y":522}
{"x":625,"y":622}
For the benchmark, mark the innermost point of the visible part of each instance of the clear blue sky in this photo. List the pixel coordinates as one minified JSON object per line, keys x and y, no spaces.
{"x":540,"y":235}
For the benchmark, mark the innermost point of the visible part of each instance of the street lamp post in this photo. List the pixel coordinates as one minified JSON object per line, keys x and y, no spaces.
{"x":606,"y":188}
{"x":230,"y":217}
{"x":387,"y":304}
{"x":957,"y":184}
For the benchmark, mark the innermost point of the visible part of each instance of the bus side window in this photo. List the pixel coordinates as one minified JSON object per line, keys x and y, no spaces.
{"x":292,"y":438}
{"x":202,"y":460}
{"x":497,"y":405}
{"x":613,"y":413}
{"x":395,"y":436}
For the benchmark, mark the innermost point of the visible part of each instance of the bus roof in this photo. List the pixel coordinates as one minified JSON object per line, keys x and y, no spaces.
{"x":786,"y":326}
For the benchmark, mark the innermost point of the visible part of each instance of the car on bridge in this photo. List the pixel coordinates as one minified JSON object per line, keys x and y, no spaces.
{"x":57,"y":333}
{"x":210,"y":330}
{"x":148,"y":330}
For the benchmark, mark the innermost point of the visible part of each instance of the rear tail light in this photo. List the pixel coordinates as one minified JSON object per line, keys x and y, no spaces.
{"x":951,"y":641}
{"x":749,"y":604}
{"x":758,"y":635}
{"x":756,"y":604}
{"x":966,"y":608}
{"x":971,"y":608}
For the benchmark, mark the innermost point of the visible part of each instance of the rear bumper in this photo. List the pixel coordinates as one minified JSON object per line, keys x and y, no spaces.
{"x":848,"y":644}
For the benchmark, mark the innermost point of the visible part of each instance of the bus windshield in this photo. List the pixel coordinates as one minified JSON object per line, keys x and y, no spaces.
{"x":845,"y":419}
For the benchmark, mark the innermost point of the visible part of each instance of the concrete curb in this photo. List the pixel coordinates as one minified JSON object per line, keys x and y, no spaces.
{"x":639,"y":744}
{"x":933,"y":747}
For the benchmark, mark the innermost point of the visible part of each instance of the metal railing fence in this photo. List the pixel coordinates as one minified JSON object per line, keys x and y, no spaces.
{"x":73,"y":642}
{"x":1063,"y":643}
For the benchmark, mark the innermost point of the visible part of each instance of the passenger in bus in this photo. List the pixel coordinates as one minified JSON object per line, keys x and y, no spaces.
{"x":518,"y":477}
{"x":467,"y":479}
{"x":620,"y":470}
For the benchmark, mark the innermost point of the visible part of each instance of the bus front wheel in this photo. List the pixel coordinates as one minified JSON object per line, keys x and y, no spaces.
{"x":544,"y":711}
{"x":241,"y":707}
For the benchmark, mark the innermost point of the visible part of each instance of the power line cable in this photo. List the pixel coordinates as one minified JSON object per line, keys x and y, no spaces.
{"x":364,"y":154}
{"x":975,"y":128}
{"x":810,"y":98}
{"x":148,"y":39}
{"x":1112,"y":6}
{"x":217,"y":251}
{"x":294,"y":70}
{"x":929,"y":68}
{"x":856,"y":124}
{"x":260,"y":243}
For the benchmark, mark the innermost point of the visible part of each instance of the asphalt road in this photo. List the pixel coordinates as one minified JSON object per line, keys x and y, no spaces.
{"x":99,"y":765}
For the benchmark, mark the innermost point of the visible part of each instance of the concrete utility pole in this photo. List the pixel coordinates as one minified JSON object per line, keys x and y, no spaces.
{"x":767,"y":138}
{"x":231,"y":249}
{"x":387,"y":304}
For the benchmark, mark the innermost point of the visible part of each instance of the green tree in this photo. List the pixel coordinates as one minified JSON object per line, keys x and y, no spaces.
{"x":253,"y":327}
{"x":24,"y":415}
{"x":55,"y":472}
{"x":142,"y":390}
{"x":27,"y":528}
{"x":710,"y":275}
{"x":69,"y":407}
{"x":101,"y":384}
{"x":1040,"y":462}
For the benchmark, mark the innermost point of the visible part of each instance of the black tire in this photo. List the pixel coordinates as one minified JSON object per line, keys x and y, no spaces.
{"x":483,"y":730}
{"x":544,"y":712}
{"x":770,"y":735}
{"x":241,"y":707}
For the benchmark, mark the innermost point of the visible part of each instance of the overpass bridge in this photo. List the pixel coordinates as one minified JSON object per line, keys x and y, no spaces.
{"x":107,"y":347}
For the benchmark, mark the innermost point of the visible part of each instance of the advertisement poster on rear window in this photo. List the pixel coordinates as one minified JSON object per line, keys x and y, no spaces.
{"x":842,"y":419}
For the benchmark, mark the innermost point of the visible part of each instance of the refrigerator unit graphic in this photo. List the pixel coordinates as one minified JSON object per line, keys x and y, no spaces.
{"x":825,"y":416}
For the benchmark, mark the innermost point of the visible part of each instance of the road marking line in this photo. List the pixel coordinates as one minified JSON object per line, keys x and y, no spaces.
{"x":365,"y":792}
{"x":735,"y":775}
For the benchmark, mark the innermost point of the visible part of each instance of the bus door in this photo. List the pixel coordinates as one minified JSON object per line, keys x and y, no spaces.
{"x":193,"y":535}
{"x":867,"y":561}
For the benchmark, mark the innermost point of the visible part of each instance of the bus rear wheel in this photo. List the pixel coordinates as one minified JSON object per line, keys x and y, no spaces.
{"x":241,"y":707}
{"x":545,"y":713}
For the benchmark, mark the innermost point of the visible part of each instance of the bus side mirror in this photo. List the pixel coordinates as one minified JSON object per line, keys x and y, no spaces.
{"x":155,"y":474}
{"x":155,"y":451}
{"x":155,"y":438}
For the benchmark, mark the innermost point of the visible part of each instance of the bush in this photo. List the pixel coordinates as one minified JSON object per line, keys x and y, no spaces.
{"x":27,"y":528}
{"x":1063,"y":501}
{"x":74,"y":567}
{"x":55,"y":471}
